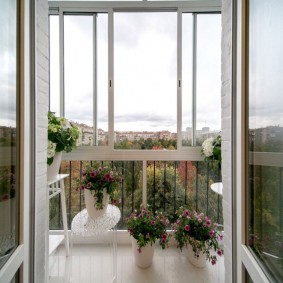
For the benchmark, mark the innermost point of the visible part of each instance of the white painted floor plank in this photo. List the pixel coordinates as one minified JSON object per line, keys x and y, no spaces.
{"x":93,"y":264}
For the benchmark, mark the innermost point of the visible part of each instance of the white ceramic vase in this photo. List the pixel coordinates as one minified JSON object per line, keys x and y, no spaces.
{"x":53,"y":169}
{"x":90,"y":202}
{"x":144,"y":258}
{"x":199,"y":261}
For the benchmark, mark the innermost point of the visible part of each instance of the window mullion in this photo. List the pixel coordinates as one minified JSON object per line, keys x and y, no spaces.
{"x":111,"y":78}
{"x":179,"y":79}
{"x":61,"y":60}
{"x":194,"y":79}
{"x":94,"y":81}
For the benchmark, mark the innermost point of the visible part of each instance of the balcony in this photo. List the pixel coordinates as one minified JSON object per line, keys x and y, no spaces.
{"x":165,"y":186}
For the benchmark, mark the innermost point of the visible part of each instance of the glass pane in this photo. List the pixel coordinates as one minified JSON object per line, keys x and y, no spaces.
{"x":102,"y":78}
{"x":208,"y":93}
{"x":86,"y":90}
{"x":187,"y":67}
{"x":78,"y":68}
{"x":145,"y":56}
{"x":265,"y":191}
{"x":8,"y":130}
{"x":54,"y":64}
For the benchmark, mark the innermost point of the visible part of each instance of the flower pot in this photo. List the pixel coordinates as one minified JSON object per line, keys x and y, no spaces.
{"x":53,"y":169}
{"x":144,"y":258}
{"x":90,"y":202}
{"x":198,"y":261}
{"x":8,"y":225}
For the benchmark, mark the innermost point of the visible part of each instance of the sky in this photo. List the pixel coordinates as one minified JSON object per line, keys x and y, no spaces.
{"x":8,"y":64}
{"x":145,"y":70}
{"x":266,"y":68}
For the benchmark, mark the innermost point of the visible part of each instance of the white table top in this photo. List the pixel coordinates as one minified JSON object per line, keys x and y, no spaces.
{"x":58,"y":178}
{"x":217,"y":188}
{"x":85,"y":226}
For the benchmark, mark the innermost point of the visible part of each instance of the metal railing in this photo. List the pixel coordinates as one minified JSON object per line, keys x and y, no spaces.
{"x":169,"y":185}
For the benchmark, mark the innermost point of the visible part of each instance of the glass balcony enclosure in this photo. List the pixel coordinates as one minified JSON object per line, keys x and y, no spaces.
{"x":141,"y":93}
{"x":124,"y":70}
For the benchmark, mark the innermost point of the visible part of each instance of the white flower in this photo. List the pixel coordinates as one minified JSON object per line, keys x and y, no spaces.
{"x":64,"y":123}
{"x":208,"y":147}
{"x":51,"y":149}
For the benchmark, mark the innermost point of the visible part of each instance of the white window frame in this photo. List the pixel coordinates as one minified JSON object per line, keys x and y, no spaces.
{"x":108,"y":152}
{"x":246,"y":260}
{"x":19,"y":261}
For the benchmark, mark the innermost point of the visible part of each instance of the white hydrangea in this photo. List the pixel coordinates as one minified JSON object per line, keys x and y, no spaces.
{"x":208,"y":147}
{"x":64,"y":123}
{"x":51,"y":149}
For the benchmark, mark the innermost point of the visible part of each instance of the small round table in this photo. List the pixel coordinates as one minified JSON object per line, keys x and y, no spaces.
{"x":84,"y":226}
{"x":217,"y":187}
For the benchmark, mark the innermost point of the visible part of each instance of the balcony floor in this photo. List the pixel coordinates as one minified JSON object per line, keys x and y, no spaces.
{"x":92,"y":263}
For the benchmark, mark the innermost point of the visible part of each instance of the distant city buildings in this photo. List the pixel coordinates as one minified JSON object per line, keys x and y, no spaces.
{"x":87,"y":135}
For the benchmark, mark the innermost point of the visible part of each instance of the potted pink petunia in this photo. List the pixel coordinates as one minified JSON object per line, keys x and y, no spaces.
{"x":199,"y":235}
{"x":146,"y":228}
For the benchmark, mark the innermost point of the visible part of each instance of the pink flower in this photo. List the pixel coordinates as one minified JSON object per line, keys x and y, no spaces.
{"x":213,"y":261}
{"x":152,"y":222}
{"x":83,"y":172}
{"x":164,"y":236}
{"x":88,"y":185}
{"x":211,"y":233}
{"x":219,"y":252}
{"x":186,"y":213}
{"x":92,"y":174}
{"x":187,"y":228}
{"x":178,"y":221}
{"x":82,"y":187}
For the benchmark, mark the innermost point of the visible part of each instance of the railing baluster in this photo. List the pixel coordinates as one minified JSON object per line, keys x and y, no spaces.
{"x":81,"y":168}
{"x":133,"y":184}
{"x":186,"y":182}
{"x":281,"y":198}
{"x":175,"y":184}
{"x":123,"y":174}
{"x":197,"y":187}
{"x":164,"y":188}
{"x":207,"y":185}
{"x":70,"y":194}
{"x":154,"y":186}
